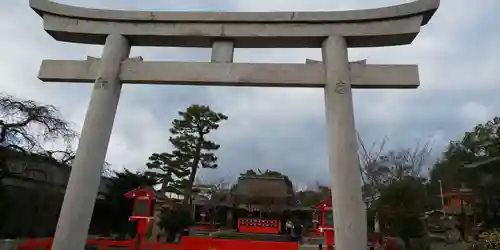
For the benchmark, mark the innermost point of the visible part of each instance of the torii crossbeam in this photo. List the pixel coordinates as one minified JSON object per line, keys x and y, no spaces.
{"x":135,"y":71}
{"x":333,"y":31}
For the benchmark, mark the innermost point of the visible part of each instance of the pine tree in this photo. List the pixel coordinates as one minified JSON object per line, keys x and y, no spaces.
{"x":192,"y":149}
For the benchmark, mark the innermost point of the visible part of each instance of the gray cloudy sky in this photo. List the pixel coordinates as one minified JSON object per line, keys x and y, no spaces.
{"x":283,"y":129}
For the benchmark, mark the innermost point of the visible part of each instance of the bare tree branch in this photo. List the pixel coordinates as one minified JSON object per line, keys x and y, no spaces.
{"x":25,"y":128}
{"x":407,"y":161}
{"x":371,"y":171}
{"x":216,"y":184}
{"x":380,"y":168}
{"x":29,"y":125}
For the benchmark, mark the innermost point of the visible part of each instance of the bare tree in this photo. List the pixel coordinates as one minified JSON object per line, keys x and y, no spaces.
{"x":26,"y":126}
{"x":373,"y":174}
{"x":371,"y":171}
{"x":216,"y":184}
{"x":65,"y":157}
{"x":405,"y":162}
{"x":379,"y":167}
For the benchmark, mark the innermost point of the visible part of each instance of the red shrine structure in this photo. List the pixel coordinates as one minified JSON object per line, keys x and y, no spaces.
{"x":258,"y":217}
{"x":143,"y":213}
{"x":260,"y":211}
{"x":457,"y":198}
{"x":258,"y":225}
{"x":325,"y":222}
{"x":261,"y":215}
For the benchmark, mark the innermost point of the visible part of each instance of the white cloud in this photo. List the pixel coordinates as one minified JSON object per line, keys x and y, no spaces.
{"x":474,"y":112}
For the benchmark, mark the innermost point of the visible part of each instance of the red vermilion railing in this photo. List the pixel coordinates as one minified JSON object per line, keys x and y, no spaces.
{"x":248,"y":225}
{"x":102,"y":244}
{"x":187,"y":243}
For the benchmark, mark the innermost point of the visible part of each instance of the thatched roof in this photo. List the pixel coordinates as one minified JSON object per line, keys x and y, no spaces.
{"x":257,"y":189}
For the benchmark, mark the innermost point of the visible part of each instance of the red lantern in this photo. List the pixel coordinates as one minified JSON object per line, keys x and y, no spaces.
{"x":325,"y":226}
{"x":144,"y":205}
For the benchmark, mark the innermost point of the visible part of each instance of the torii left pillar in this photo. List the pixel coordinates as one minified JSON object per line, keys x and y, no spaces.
{"x":83,"y":184}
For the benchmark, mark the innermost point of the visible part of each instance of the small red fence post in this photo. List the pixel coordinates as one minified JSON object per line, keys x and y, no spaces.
{"x":103,"y":244}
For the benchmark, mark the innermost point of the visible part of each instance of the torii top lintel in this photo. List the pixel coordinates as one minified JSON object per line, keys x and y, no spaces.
{"x":394,"y":25}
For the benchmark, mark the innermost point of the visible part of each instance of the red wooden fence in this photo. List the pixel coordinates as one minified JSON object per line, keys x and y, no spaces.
{"x":194,"y":243}
{"x":187,"y":243}
{"x":102,"y":244}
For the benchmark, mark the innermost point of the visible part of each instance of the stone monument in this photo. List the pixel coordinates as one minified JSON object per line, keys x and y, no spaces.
{"x":332,"y":31}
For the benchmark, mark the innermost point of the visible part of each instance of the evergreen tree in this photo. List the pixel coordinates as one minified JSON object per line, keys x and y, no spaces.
{"x":192,"y":149}
{"x":116,"y":208}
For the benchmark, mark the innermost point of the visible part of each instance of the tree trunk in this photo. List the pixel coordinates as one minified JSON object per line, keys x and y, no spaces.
{"x":164,"y":185}
{"x":188,"y":191}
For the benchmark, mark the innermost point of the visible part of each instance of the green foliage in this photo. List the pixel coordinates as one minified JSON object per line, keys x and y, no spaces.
{"x":487,"y":241}
{"x":401,"y":205}
{"x":394,"y":189}
{"x":192,"y":149}
{"x":175,"y":220}
{"x":171,"y":173}
{"x":478,"y":145}
{"x":382,"y":169}
{"x":482,"y":142}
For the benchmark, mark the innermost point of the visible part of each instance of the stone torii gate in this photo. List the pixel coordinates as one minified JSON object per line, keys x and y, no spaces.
{"x":333,"y":32}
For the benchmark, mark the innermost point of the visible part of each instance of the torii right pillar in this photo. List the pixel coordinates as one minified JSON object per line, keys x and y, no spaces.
{"x":349,"y":211}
